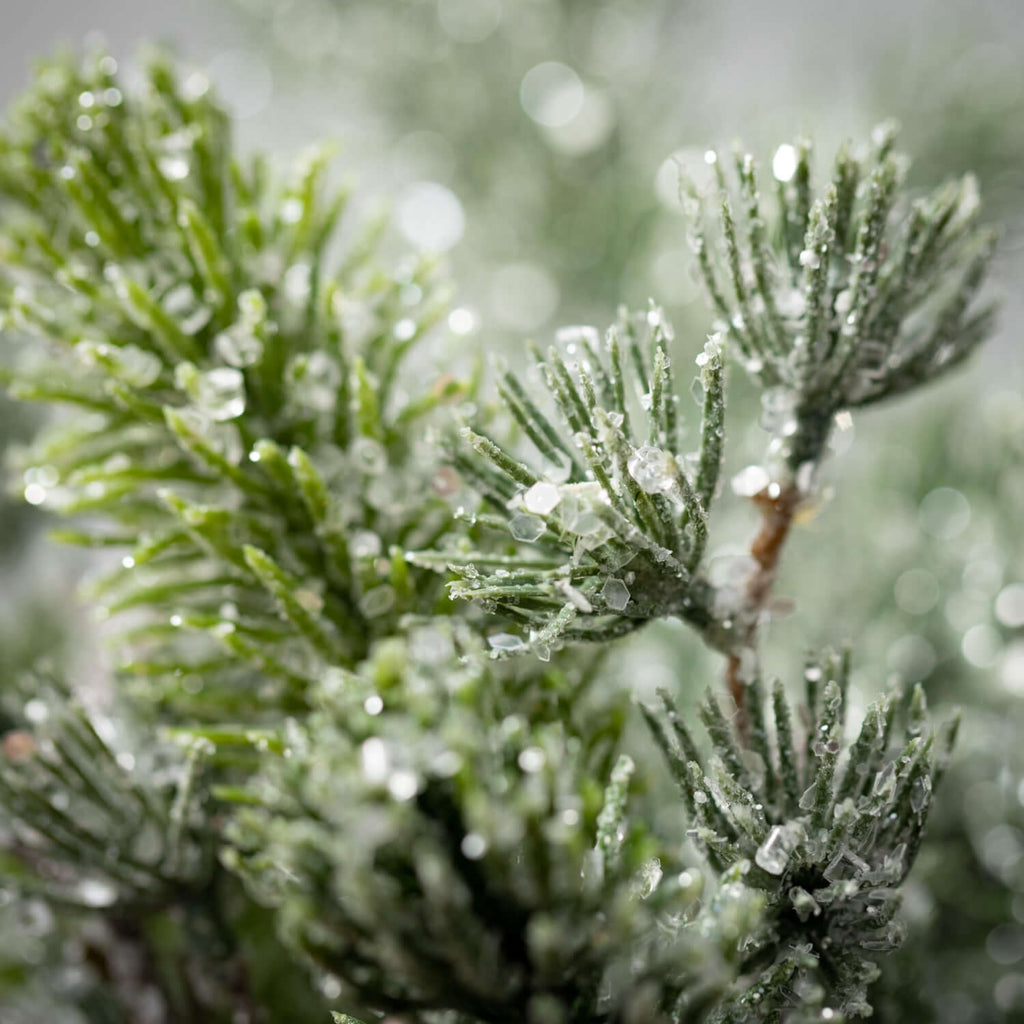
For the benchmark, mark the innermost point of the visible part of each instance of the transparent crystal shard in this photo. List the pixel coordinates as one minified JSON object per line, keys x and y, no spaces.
{"x":750,"y":481}
{"x":615,"y":594}
{"x":653,"y":468}
{"x":238,"y":346}
{"x":778,"y":411}
{"x":506,"y":642}
{"x":315,"y":380}
{"x":96,"y":892}
{"x":576,"y":333}
{"x":221,"y":393}
{"x":525,"y":527}
{"x":773,"y":854}
{"x":541,"y":498}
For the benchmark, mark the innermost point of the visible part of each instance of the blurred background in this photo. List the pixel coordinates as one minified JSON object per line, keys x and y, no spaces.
{"x":537,"y":144}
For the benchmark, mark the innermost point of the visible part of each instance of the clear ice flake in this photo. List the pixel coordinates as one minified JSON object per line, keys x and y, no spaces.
{"x":541,"y":498}
{"x":525,"y":527}
{"x":750,"y":481}
{"x":506,"y":642}
{"x":778,"y":411}
{"x":238,"y":346}
{"x":174,"y":163}
{"x":773,"y":854}
{"x":615,"y":594}
{"x":314,"y":381}
{"x":221,"y":393}
{"x":577,"y":333}
{"x":784,"y":163}
{"x":576,"y":597}
{"x":96,"y":892}
{"x":811,"y":259}
{"x":807,"y":798}
{"x":653,"y":469}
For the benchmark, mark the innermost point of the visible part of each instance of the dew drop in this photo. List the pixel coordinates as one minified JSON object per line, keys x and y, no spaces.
{"x":221,"y":393}
{"x":473,"y":846}
{"x":95,"y":892}
{"x":784,"y":163}
{"x":750,"y":481}
{"x":532,"y":759}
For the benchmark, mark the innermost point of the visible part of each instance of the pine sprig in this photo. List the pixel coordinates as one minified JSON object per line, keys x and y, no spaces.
{"x":74,"y":794}
{"x":846,"y":299}
{"x":498,"y":881}
{"x":615,"y":516}
{"x":241,"y":376}
{"x":827,"y":831}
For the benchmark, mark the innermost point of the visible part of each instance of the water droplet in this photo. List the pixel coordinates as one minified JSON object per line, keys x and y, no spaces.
{"x":532,"y":759}
{"x":314,"y":380}
{"x":36,"y":711}
{"x":378,"y":601}
{"x":750,"y":481}
{"x":35,"y":494}
{"x":577,"y":334}
{"x":790,"y":303}
{"x":309,"y":599}
{"x":95,"y":892}
{"x":778,"y":411}
{"x":551,"y":94}
{"x":174,"y":166}
{"x":376,"y":761}
{"x":403,"y":785}
{"x":462,"y":321}
{"x":784,"y":163}
{"x":431,"y":217}
{"x":237,"y":346}
{"x":473,"y":846}
{"x":297,"y":284}
{"x":369,"y":456}
{"x":810,"y":258}
{"x":221,"y":393}
{"x":1010,"y":605}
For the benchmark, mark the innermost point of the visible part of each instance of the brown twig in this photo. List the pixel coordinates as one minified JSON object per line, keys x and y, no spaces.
{"x":766,"y":548}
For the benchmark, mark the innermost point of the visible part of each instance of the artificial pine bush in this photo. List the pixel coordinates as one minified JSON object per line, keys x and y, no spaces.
{"x":363,"y":754}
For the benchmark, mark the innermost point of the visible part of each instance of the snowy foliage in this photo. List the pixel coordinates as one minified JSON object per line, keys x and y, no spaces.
{"x":321,"y":782}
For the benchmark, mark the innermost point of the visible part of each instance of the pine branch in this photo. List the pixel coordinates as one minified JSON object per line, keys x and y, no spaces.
{"x":827,"y":834}
{"x":496,"y":882}
{"x":870,"y":296}
{"x":616,"y":521}
{"x":240,"y":374}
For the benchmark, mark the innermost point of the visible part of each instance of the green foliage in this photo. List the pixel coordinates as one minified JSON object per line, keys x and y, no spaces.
{"x":238,"y":370}
{"x":616,"y":520}
{"x":435,"y":849}
{"x":849,"y":298}
{"x":829,"y":838}
{"x":352,"y":781}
